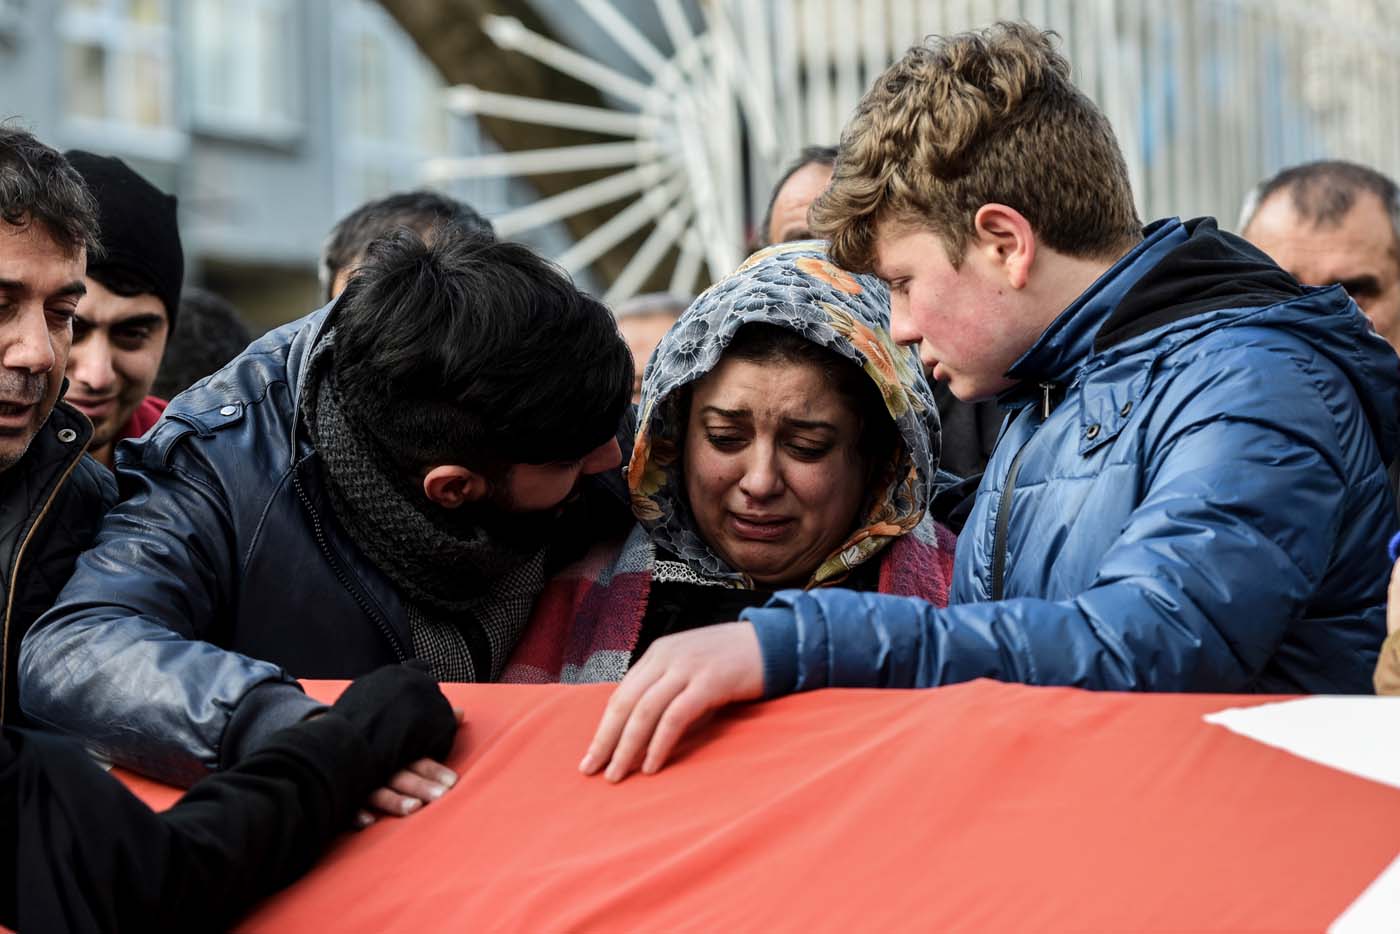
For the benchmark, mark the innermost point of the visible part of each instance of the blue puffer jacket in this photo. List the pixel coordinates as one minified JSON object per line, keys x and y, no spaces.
{"x":223,"y":576}
{"x":1203,"y":508}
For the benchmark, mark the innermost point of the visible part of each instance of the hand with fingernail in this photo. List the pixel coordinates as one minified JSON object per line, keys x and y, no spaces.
{"x":674,"y":686}
{"x":405,"y":719}
{"x":422,"y":783}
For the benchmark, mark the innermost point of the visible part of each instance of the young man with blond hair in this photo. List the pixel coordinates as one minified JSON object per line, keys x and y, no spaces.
{"x":1190,"y":494}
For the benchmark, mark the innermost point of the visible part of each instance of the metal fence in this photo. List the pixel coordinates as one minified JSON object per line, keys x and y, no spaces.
{"x":1207,"y":98}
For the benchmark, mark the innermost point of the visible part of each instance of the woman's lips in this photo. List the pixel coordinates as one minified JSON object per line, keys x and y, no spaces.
{"x":759,"y":528}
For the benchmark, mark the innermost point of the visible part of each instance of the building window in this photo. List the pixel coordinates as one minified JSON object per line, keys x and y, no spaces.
{"x":118,"y":75}
{"x":11,"y":22}
{"x":243,"y":67}
{"x":391,"y":117}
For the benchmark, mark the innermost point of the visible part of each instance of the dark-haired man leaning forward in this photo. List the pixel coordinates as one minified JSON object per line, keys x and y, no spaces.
{"x":392,"y":477}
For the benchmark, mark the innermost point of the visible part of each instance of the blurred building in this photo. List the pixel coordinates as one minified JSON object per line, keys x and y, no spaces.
{"x":707,"y":104}
{"x":269,"y":118}
{"x":272,"y":118}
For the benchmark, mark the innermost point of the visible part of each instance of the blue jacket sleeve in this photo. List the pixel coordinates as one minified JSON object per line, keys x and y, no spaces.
{"x":1234,"y":529}
{"x":120,"y":661}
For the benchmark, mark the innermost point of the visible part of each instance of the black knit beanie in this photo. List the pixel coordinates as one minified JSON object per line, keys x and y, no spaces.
{"x":140,"y":236}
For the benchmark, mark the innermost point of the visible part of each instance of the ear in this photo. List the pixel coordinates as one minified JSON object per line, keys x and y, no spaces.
{"x":1006,"y":241}
{"x":451,"y":485}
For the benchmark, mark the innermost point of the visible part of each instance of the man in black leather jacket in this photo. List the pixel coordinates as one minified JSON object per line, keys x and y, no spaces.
{"x":52,"y":497}
{"x":390,"y":478}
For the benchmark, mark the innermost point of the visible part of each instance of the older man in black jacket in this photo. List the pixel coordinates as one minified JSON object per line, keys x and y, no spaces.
{"x":52,"y":497}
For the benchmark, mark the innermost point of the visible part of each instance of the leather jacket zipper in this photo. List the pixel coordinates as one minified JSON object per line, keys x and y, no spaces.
{"x":999,"y":544}
{"x":14,"y":577}
{"x":379,"y":621}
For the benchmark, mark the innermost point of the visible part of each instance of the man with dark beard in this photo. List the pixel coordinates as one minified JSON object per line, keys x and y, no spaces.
{"x":51,"y":496}
{"x":393,"y":477}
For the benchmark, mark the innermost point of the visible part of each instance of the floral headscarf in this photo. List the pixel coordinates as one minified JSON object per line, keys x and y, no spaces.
{"x":794,"y":286}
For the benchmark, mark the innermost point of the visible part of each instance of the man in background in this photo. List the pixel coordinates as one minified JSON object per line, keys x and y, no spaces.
{"x":423,"y":212}
{"x":643,"y":321}
{"x":1334,"y":222}
{"x":128,"y":312}
{"x":212,"y":332}
{"x":796,"y":189}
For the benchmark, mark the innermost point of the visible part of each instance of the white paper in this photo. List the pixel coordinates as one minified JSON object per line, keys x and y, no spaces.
{"x":1360,"y":735}
{"x":1378,"y":908}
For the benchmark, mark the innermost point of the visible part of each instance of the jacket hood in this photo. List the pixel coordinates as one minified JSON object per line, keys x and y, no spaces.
{"x":793,"y":286}
{"x":1192,"y":277}
{"x":1216,"y":279}
{"x":1337,"y":329}
{"x":1207,"y":270}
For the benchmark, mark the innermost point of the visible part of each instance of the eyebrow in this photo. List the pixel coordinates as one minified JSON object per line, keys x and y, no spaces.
{"x":725,"y":413}
{"x":149,"y":319}
{"x":75,"y":287}
{"x":739,"y":414}
{"x":809,"y":424}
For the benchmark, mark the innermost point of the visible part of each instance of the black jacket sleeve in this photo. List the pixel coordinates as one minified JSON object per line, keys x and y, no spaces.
{"x":81,"y":853}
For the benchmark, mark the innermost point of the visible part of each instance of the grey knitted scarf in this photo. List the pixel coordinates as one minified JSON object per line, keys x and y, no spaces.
{"x":454,"y":577}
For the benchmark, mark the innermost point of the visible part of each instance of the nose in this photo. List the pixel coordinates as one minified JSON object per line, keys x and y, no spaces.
{"x":602,"y":458}
{"x":90,"y":364}
{"x":763,"y":477}
{"x":29,"y":346}
{"x":902,"y":327}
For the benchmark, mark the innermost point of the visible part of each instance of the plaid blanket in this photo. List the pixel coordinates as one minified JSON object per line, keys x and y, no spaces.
{"x":586,"y":622}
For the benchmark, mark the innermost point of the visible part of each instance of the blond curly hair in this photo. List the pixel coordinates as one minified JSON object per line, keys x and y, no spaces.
{"x":982,"y":117}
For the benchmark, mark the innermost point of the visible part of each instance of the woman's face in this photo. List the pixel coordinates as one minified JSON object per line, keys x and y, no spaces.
{"x":772,"y":468}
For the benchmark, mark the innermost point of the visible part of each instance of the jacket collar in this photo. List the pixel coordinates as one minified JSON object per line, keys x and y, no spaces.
{"x":60,"y":441}
{"x":26,"y":490}
{"x":299,"y":357}
{"x":1063,"y":347}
